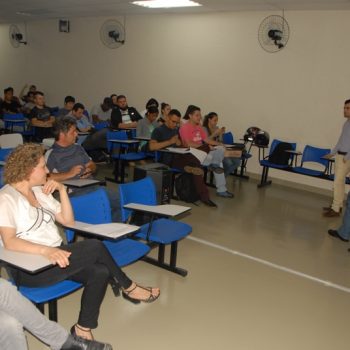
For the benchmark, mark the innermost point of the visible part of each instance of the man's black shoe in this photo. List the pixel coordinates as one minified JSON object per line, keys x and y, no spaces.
{"x":77,"y":343}
{"x":209,"y":203}
{"x":334,"y":233}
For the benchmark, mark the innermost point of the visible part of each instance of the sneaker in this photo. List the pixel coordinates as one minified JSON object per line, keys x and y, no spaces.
{"x":215,"y":169}
{"x":209,"y":203}
{"x":225,"y":194}
{"x":331,"y":213}
{"x":77,"y":343}
{"x":193,"y":170}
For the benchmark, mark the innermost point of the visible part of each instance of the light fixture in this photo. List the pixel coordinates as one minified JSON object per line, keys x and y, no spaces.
{"x":166,"y":3}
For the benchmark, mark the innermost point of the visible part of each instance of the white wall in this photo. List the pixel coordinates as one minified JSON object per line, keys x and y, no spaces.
{"x":213,"y":60}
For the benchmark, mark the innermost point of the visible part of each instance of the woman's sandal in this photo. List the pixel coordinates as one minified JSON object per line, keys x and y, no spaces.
{"x":74,"y":333}
{"x":150,"y":299}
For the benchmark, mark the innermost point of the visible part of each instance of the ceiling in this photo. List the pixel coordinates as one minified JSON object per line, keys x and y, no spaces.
{"x":51,"y":9}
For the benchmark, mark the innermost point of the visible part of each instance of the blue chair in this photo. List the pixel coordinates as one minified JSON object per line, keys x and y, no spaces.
{"x":101,"y":125}
{"x":42,"y":295}
{"x":266,"y":164}
{"x":17,"y":123}
{"x":4,"y":152}
{"x":122,"y":153}
{"x":313,"y":155}
{"x":54,"y":110}
{"x":94,"y":208}
{"x":159,"y":232}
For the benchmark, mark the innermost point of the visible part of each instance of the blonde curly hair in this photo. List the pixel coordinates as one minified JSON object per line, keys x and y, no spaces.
{"x":21,"y":162}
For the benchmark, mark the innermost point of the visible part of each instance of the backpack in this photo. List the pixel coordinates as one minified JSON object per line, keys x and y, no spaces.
{"x":279,"y":155}
{"x":185,"y":189}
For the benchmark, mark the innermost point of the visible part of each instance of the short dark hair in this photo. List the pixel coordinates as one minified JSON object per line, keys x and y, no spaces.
{"x":120,"y":97}
{"x":152,"y":102}
{"x":63,"y":124}
{"x":190,"y":110}
{"x":113,"y":95}
{"x":152,"y":110}
{"x":346,"y":102}
{"x":77,"y":106}
{"x":163,"y":105}
{"x":174,"y":112}
{"x":38,"y":93}
{"x":8,"y":90}
{"x":68,"y":99}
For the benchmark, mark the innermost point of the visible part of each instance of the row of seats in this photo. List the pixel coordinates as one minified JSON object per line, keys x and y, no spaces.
{"x":310,"y":155}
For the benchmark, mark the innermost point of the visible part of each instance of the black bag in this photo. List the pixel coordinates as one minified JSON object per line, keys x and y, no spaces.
{"x":185,"y":189}
{"x":279,"y":155}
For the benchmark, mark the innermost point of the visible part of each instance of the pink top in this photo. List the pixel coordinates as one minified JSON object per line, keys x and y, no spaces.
{"x":192,"y":133}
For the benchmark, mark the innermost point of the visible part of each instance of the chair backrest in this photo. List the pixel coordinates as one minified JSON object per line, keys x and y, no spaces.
{"x":314,"y":154}
{"x":4,"y":152}
{"x":101,"y":125}
{"x":92,"y":207}
{"x":10,"y":140}
{"x":227,"y":138}
{"x":117,"y":135}
{"x":275,"y":142}
{"x":16,"y":116}
{"x":142,"y":192}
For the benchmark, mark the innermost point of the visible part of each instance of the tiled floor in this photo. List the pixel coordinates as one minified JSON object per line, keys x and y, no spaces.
{"x":231,"y":299}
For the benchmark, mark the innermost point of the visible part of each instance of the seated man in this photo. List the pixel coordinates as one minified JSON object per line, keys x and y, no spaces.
{"x":10,"y":103}
{"x":146,"y":126}
{"x":68,"y":105}
{"x":124,"y":117}
{"x":95,"y":142}
{"x":193,"y":135}
{"x":166,"y":135}
{"x":17,"y":312}
{"x":41,"y":118}
{"x":29,"y":105}
{"x":102,"y":112}
{"x":68,"y":160}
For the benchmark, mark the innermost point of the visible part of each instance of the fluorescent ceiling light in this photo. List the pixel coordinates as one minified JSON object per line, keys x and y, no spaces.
{"x":166,"y":3}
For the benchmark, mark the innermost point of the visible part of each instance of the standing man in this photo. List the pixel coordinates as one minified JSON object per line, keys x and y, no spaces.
{"x":341,"y":167}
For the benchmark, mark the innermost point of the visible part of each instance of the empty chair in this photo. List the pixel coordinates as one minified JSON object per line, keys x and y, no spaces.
{"x":122,"y":153}
{"x":17,"y":123}
{"x":94,"y":208}
{"x":10,"y":140}
{"x":313,"y":155}
{"x":161,"y":231}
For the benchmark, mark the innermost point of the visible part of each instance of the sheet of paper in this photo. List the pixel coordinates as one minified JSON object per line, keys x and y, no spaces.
{"x":200,"y":155}
{"x":178,"y":150}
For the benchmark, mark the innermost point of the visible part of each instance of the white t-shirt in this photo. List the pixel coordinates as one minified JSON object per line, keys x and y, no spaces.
{"x":33,"y":224}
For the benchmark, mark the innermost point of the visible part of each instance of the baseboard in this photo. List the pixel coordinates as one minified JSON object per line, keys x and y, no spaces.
{"x":292,"y":184}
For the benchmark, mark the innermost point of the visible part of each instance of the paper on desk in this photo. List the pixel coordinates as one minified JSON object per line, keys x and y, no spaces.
{"x":200,"y":155}
{"x":111,"y":230}
{"x":163,"y":209}
{"x":180,"y":150}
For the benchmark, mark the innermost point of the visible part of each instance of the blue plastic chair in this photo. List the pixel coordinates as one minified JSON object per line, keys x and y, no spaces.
{"x":42,"y":295}
{"x":266,"y":164}
{"x":313,"y":155}
{"x":161,"y":231}
{"x":94,"y":208}
{"x":4,"y":152}
{"x":101,"y":125}
{"x":122,"y":153}
{"x":17,"y":123}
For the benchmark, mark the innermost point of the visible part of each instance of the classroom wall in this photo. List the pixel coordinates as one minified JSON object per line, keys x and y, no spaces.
{"x":211,"y":60}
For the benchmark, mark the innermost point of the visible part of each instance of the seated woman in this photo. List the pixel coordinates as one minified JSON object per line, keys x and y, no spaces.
{"x":27,"y":224}
{"x":215,"y":133}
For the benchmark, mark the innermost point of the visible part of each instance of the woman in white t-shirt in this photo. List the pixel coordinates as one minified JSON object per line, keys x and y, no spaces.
{"x":27,"y":224}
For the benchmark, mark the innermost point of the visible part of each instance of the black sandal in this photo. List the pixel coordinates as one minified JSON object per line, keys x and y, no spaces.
{"x":150,"y":299}
{"x":74,"y":333}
